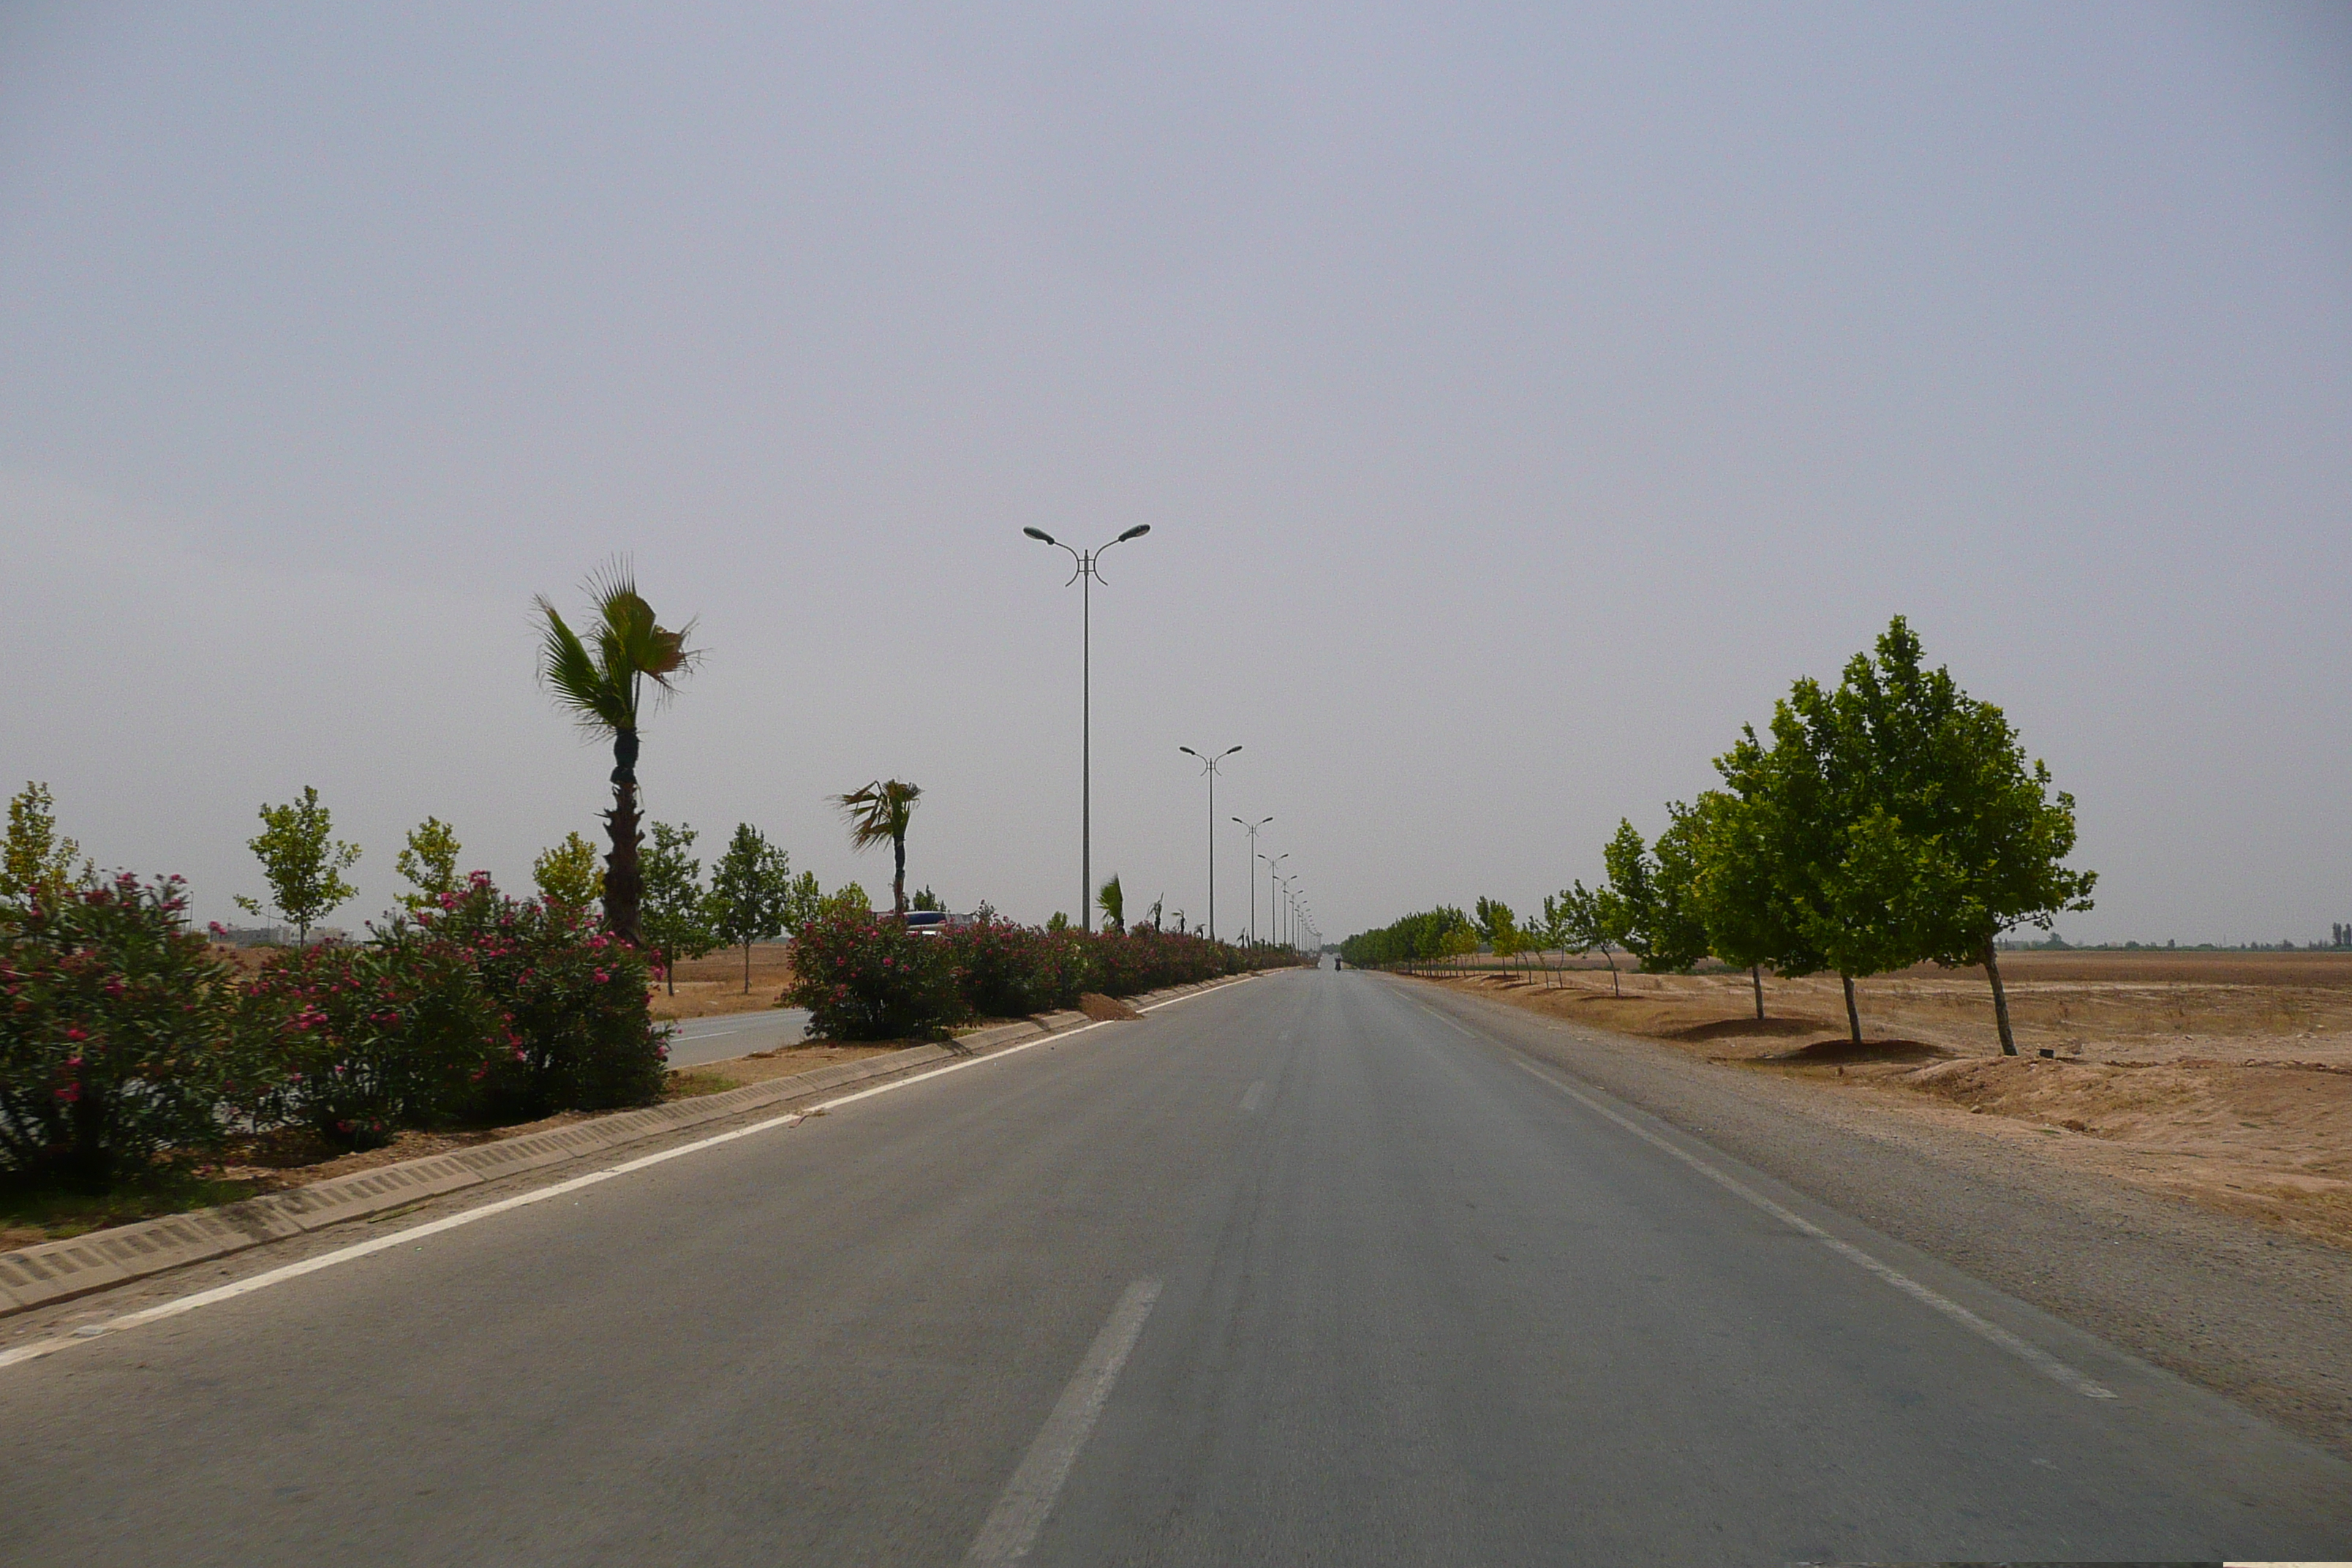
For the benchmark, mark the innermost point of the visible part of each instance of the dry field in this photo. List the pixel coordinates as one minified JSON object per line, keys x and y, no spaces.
{"x":2223,"y":1078}
{"x":708,"y":987}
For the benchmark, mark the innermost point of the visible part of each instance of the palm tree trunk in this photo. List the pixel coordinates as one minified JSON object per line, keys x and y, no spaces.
{"x":1999,"y":1001}
{"x":1852,"y":1013}
{"x":624,"y":885}
{"x":898,"y":877}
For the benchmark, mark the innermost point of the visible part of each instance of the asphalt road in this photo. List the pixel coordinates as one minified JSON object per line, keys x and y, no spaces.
{"x":1301,"y":1270}
{"x":715,"y":1039}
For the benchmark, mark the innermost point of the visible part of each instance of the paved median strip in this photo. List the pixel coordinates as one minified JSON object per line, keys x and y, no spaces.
{"x":86,"y":1266}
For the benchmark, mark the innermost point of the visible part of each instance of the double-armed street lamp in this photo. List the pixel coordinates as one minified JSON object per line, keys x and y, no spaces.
{"x":1271,"y":862}
{"x":1251,"y":865}
{"x":1209,"y":766}
{"x":1086,"y":575}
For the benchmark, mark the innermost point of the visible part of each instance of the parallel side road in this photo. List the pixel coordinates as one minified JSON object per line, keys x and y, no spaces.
{"x":1298,"y":1270}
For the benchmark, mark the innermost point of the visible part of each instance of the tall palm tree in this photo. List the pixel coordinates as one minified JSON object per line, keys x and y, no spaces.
{"x":879,"y":812}
{"x":605,"y":690}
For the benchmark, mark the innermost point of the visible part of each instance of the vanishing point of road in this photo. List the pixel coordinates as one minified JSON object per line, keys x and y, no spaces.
{"x":1311,"y":1268}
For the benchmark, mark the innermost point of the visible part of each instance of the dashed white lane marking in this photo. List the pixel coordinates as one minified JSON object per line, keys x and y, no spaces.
{"x":86,"y":1333}
{"x":1253,"y":1096}
{"x":1020,"y":1513}
{"x":2032,"y":1355}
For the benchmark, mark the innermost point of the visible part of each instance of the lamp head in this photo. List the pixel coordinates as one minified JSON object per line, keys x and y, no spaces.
{"x":1188,"y":751}
{"x":1137,"y":531}
{"x":1039,"y":533}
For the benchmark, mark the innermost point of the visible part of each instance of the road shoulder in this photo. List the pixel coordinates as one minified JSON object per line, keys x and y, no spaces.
{"x":2262,"y":1317}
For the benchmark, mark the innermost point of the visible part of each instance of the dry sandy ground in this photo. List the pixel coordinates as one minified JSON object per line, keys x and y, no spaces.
{"x":712,"y":985}
{"x":2225,"y":1078}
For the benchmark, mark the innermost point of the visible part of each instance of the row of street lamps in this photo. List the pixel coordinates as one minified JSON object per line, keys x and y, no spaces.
{"x":1294,"y":915}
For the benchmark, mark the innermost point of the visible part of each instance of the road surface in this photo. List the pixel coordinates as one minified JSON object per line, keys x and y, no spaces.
{"x":1304,"y":1269}
{"x":699,"y":1041}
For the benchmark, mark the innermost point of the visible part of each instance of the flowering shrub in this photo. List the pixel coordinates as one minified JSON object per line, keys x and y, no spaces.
{"x":572,"y":997}
{"x":867,"y":979}
{"x":354,"y":1042}
{"x":1146,"y":960}
{"x":1004,"y":970}
{"x":112,"y":1020}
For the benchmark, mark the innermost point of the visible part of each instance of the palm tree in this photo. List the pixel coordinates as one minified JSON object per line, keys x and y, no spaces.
{"x":604,"y":691}
{"x":879,"y":812}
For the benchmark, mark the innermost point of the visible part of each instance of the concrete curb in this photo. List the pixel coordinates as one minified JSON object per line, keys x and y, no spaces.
{"x":54,"y":1271}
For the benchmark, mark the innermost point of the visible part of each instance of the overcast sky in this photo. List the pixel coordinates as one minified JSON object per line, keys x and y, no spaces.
{"x":1520,"y":397}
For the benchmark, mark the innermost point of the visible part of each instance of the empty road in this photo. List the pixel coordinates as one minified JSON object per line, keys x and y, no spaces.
{"x":1306,"y":1269}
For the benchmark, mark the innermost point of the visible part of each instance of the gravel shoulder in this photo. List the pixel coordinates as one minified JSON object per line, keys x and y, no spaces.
{"x":2255,"y":1313}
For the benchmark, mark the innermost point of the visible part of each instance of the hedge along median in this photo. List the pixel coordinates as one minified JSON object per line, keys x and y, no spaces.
{"x":57,"y":1271}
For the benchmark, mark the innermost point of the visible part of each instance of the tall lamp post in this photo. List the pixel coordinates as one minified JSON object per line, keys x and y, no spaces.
{"x":1251,"y":867}
{"x":1086,"y":575}
{"x":1209,"y":766}
{"x":1271,"y":862}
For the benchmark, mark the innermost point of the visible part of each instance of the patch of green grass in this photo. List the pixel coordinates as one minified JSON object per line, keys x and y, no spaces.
{"x":56,"y":1213}
{"x":684,"y":1084}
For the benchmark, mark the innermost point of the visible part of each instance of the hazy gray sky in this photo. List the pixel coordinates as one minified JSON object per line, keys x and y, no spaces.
{"x":1521,"y":397}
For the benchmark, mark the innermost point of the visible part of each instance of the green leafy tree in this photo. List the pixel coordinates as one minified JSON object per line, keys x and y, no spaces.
{"x":568,"y":874}
{"x":847,"y":899}
{"x":1952,"y":838}
{"x":926,"y":899}
{"x":1112,"y":902}
{"x":1583,"y":925}
{"x":1648,"y":907}
{"x":1057,"y":921}
{"x":749,"y":887}
{"x":38,"y":865}
{"x":1735,"y":893}
{"x":879,"y":813}
{"x":806,"y":898}
{"x":303,"y":862}
{"x":604,"y":689}
{"x":674,"y":915}
{"x":429,"y":861}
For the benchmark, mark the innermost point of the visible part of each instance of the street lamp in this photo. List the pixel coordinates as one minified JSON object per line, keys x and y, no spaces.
{"x":1209,"y":766}
{"x":1286,"y":931}
{"x":1251,"y":828}
{"x":1086,"y":575}
{"x":1271,"y":862}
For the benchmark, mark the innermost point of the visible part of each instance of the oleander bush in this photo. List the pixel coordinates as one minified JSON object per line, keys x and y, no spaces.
{"x":1006,"y":971}
{"x":114,"y":1029}
{"x":867,"y":978}
{"x":572,"y":997}
{"x":355,"y":1042}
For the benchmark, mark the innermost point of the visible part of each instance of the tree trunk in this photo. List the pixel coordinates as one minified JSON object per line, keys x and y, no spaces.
{"x":623,"y":887}
{"x":669,"y":970}
{"x":1614,"y":988}
{"x":747,"y":967}
{"x":2000,"y":1002}
{"x":898,"y":879}
{"x":1756,"y":975}
{"x":1852,"y":1013}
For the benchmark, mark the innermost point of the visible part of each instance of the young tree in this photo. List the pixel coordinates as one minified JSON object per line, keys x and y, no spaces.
{"x":674,"y":913}
{"x":926,"y":899}
{"x":1648,"y":907}
{"x":1735,"y":892}
{"x":303,"y":863}
{"x":603,"y":692}
{"x":38,"y":865}
{"x":1577,"y":917}
{"x":878,"y":814}
{"x":1955,"y":838}
{"x":567,"y":876}
{"x":804,"y":899}
{"x":749,"y":889}
{"x":1112,"y":902}
{"x":429,"y":861}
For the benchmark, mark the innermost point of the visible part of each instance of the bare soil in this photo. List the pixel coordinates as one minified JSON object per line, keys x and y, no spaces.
{"x":2224,"y":1078}
{"x":709,"y":986}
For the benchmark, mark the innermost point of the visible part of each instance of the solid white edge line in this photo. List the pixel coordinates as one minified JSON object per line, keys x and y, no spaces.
{"x":2032,"y":1355}
{"x":1011,"y":1526}
{"x":262,"y":1282}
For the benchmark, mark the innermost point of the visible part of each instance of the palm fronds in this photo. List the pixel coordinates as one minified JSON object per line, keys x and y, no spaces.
{"x":603,"y":689}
